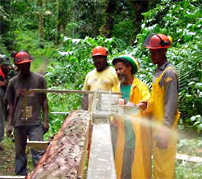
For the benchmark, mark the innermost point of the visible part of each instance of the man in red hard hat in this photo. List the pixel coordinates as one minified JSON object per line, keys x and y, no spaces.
{"x":102,"y":77}
{"x":163,"y":106}
{"x":32,"y":126}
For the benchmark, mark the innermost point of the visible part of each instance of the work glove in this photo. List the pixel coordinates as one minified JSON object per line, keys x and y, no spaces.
{"x":9,"y":131}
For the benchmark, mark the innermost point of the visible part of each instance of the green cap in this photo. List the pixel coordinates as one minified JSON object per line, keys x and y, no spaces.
{"x":129,"y":59}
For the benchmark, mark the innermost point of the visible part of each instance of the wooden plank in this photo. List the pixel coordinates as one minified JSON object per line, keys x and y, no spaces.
{"x":66,"y":113}
{"x":12,"y":177}
{"x":83,"y":157}
{"x":188,"y":158}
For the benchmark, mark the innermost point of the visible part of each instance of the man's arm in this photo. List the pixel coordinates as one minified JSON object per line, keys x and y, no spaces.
{"x":9,"y":128}
{"x":171,"y":99}
{"x":85,"y":102}
{"x":46,"y":118}
{"x":45,"y":107}
{"x":9,"y":99}
{"x":170,"y":108}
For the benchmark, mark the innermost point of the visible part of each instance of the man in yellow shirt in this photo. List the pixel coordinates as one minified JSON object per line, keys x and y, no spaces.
{"x":103,"y":77}
{"x":131,"y":139}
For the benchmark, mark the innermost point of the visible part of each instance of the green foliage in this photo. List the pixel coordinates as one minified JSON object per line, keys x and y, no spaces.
{"x":185,"y":169}
{"x":181,"y":20}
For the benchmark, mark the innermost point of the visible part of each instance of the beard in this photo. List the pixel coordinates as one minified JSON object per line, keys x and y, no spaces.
{"x":122,"y":78}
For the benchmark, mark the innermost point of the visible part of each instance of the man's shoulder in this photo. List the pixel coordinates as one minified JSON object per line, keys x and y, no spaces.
{"x":15,"y":78}
{"x":92,"y":71}
{"x":111,"y":69}
{"x":170,"y":71}
{"x":137,"y":81}
{"x":36,"y":76}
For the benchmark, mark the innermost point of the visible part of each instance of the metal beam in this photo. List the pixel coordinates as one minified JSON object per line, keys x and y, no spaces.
{"x":59,"y":91}
{"x":101,"y":162}
{"x":12,"y":177}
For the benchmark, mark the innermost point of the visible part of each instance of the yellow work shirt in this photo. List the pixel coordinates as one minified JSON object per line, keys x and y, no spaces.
{"x":103,"y":80}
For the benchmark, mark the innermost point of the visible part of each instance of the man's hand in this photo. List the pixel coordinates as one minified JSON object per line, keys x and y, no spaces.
{"x":9,"y":131}
{"x":45,"y":127}
{"x":142,"y":106}
{"x":163,"y":138}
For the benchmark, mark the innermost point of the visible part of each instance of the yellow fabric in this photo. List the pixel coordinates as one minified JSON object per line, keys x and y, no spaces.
{"x":141,"y":167}
{"x":164,"y":159}
{"x":103,"y":80}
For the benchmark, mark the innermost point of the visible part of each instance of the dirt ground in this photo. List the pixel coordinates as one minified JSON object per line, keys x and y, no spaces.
{"x":7,"y":158}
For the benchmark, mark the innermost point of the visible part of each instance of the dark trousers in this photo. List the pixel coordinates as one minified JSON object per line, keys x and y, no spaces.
{"x":34,"y":133}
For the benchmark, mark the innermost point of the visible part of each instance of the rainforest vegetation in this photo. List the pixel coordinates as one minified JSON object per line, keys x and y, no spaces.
{"x":62,"y":33}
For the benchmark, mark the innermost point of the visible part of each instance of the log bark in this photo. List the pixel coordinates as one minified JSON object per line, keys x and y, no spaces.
{"x":65,"y":155}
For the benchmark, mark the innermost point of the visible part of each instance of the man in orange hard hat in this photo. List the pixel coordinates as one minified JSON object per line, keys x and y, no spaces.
{"x":102,"y":77}
{"x":163,"y":105}
{"x":32,"y":126}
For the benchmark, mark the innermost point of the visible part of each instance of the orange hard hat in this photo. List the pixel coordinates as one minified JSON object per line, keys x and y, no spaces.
{"x":99,"y":51}
{"x":22,"y":57}
{"x":157,"y":41}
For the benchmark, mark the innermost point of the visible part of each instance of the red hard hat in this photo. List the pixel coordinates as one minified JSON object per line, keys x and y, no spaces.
{"x":22,"y":57}
{"x":99,"y":51}
{"x":157,"y":41}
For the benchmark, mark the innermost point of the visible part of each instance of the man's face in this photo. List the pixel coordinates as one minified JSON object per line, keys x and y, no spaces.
{"x":122,"y":71}
{"x":24,"y":68}
{"x":157,"y":55}
{"x":100,"y":62}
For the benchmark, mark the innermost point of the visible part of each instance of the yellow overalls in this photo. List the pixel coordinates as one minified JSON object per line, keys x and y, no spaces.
{"x":141,"y":166}
{"x":164,"y":159}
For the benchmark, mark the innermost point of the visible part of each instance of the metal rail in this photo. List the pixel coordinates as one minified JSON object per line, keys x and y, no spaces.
{"x":59,"y":91}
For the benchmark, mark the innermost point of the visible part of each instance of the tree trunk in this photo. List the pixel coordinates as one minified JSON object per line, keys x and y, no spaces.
{"x":139,"y":7}
{"x":58,"y":23}
{"x":41,"y":21}
{"x":108,"y":24}
{"x":65,"y":156}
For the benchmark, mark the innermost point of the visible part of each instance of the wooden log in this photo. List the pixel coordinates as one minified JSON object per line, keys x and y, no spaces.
{"x":65,"y":155}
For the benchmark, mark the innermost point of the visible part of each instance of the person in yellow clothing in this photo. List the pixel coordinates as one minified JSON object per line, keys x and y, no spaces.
{"x":103,"y":77}
{"x":163,"y":106}
{"x":130,"y":139}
